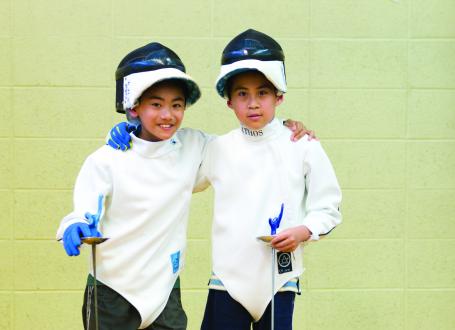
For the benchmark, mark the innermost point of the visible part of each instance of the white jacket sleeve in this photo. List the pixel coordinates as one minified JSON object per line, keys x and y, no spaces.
{"x":202,"y":181}
{"x":323,"y":195}
{"x":93,"y":180}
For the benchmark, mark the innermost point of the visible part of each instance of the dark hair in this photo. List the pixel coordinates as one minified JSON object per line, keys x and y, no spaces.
{"x":229,"y":82}
{"x":228,"y":87}
{"x":179,"y":83}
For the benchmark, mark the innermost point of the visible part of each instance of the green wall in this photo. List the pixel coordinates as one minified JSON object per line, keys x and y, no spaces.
{"x":375,"y":79}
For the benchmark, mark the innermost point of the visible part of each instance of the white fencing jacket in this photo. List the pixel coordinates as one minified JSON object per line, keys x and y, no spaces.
{"x":147,"y":194}
{"x":252,"y":173}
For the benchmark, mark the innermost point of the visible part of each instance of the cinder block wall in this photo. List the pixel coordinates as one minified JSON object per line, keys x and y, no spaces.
{"x":375,"y":79}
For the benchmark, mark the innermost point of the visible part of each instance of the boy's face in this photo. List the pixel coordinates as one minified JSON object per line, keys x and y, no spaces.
{"x":160,"y":110}
{"x":253,"y":99}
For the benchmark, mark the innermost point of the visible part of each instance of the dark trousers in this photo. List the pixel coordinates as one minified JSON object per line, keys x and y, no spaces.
{"x":222,"y":312}
{"x":116,"y":313}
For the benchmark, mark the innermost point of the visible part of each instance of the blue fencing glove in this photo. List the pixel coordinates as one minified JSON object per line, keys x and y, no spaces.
{"x":72,"y":236}
{"x":120,"y":136}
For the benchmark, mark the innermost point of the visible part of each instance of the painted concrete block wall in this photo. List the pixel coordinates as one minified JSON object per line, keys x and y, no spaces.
{"x":375,"y":79}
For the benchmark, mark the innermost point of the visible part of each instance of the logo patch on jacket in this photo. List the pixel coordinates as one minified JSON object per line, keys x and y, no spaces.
{"x":175,"y":261}
{"x":250,"y":132}
{"x":284,"y":262}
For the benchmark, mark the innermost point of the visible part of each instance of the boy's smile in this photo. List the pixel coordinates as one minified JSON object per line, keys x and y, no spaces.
{"x":253,"y":99}
{"x":160,"y":111}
